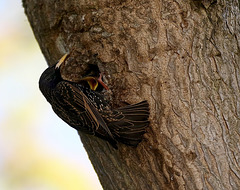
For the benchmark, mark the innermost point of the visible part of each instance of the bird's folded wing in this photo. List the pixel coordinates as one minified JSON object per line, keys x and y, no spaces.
{"x":79,"y":106}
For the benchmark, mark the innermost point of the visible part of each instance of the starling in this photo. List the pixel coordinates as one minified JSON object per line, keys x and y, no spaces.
{"x":88,"y":111}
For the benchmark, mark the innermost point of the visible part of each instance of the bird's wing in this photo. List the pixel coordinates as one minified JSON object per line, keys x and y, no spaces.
{"x":77,"y":109}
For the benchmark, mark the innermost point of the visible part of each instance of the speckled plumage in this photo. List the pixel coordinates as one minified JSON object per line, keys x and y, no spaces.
{"x":87,"y":110}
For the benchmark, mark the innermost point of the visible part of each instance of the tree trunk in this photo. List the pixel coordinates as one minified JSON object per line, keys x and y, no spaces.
{"x":183,"y":56}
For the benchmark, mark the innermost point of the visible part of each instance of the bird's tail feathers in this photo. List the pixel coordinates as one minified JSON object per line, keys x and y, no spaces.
{"x":129,"y":123}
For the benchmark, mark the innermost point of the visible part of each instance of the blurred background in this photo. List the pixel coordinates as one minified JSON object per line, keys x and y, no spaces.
{"x":37,"y":150}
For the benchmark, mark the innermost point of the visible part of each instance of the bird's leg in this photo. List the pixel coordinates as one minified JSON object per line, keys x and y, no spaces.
{"x":101,"y":82}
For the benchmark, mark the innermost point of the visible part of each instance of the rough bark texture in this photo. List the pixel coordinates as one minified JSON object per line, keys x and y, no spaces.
{"x":183,"y":56}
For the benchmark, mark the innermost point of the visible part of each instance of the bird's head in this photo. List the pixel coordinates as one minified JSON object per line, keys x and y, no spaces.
{"x":50,"y":78}
{"x":52,"y":75}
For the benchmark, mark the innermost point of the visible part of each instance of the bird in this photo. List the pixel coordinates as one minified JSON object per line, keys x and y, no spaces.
{"x":86,"y":110}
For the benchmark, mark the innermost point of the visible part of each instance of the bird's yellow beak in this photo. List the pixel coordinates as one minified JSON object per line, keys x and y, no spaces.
{"x":61,"y":61}
{"x":92,"y":81}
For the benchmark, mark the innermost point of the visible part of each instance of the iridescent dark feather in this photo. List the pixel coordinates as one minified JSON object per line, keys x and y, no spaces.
{"x":87,"y":110}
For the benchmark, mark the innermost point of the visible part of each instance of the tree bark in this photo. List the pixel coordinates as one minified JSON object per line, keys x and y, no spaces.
{"x":183,"y":56}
